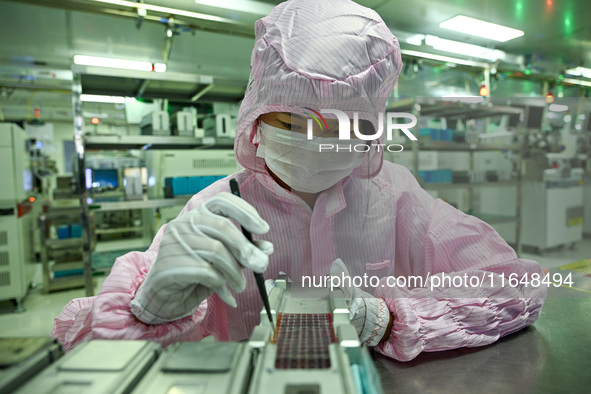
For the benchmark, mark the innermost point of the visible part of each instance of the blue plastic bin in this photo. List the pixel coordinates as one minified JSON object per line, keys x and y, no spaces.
{"x":63,"y":232}
{"x":75,"y":231}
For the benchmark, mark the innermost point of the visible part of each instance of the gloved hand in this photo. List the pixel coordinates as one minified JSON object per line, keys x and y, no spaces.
{"x":369,"y":315}
{"x":200,"y":252}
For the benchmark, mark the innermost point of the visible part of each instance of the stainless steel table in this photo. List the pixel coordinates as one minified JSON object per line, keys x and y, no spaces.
{"x":552,"y":356}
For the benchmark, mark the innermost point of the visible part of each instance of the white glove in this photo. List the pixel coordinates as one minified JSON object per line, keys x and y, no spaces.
{"x":200,"y":252}
{"x":369,"y":315}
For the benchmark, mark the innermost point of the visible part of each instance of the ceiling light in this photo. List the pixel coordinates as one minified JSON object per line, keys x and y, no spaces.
{"x":480,"y":28}
{"x":118,"y":63}
{"x":576,"y":82}
{"x":166,"y":10}
{"x":159,"y":67}
{"x":579,"y":71}
{"x":94,"y":98}
{"x":415,"y":39}
{"x":461,"y":48}
{"x":246,"y":6}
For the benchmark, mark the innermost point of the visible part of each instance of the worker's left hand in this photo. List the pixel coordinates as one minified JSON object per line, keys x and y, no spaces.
{"x":369,"y":315}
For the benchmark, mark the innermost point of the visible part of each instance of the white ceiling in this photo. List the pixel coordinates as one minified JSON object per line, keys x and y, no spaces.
{"x":34,"y":35}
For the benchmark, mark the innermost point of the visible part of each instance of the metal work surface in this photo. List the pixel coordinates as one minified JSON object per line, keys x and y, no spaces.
{"x":552,"y":356}
{"x":125,"y":142}
{"x":22,"y":358}
{"x":96,"y":367}
{"x":137,"y":204}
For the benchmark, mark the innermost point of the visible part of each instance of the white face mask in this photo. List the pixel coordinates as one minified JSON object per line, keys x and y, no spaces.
{"x":299,"y":163}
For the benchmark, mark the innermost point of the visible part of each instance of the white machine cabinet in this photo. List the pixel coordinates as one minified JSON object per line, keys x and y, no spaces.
{"x":587,"y":205}
{"x":552,"y":213}
{"x":17,"y":219}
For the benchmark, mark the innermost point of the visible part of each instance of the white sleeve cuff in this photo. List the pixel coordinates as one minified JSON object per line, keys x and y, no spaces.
{"x":380,"y":317}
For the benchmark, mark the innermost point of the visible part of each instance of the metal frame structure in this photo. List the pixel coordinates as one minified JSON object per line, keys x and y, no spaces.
{"x":141,"y":142}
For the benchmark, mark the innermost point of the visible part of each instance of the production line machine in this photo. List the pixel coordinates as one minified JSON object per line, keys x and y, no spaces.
{"x":311,"y":349}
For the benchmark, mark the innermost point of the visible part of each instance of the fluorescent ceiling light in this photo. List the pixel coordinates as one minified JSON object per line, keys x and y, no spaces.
{"x":558,"y":108}
{"x":246,"y":6}
{"x":479,"y":28}
{"x":94,"y":98}
{"x":159,"y":67}
{"x":415,"y":39}
{"x":579,"y":71}
{"x":166,"y":10}
{"x":118,"y":63}
{"x":461,"y":48}
{"x":446,"y":59}
{"x":576,"y":82}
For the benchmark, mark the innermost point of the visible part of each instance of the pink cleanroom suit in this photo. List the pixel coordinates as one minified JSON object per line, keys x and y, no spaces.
{"x":379,"y":221}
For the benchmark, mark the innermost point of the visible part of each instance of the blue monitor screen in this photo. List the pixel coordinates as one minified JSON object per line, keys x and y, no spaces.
{"x":105,"y":179}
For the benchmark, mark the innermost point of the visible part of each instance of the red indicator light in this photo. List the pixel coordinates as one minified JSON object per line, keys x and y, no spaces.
{"x":549,"y":98}
{"x":483,"y":90}
{"x":94,"y":121}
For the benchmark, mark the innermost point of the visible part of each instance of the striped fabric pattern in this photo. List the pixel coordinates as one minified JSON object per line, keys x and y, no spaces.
{"x":330,"y":54}
{"x":383,"y":226}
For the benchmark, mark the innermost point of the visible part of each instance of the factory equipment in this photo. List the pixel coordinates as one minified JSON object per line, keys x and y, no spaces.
{"x":17,"y":219}
{"x":552,"y":197}
{"x":134,"y":180}
{"x":61,"y":241}
{"x":185,"y":172}
{"x":587,"y":204}
{"x":584,"y":158}
{"x":113,"y":178}
{"x":182,"y":123}
{"x":312,"y":349}
{"x":96,"y":367}
{"x":221,"y":125}
{"x":23,"y":358}
{"x":65,"y":188}
{"x":155,"y":123}
{"x":482,"y":157}
{"x":552,"y":202}
{"x":186,"y":163}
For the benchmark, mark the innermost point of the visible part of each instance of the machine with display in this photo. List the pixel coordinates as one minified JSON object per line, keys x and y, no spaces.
{"x":584,"y":155}
{"x":312,"y":349}
{"x":184,"y":173}
{"x":17,"y":216}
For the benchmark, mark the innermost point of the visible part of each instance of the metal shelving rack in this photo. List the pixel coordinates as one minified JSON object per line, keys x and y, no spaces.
{"x":174,"y":86}
{"x":69,"y":214}
{"x":115,"y":142}
{"x":140,"y":142}
{"x":451,"y":110}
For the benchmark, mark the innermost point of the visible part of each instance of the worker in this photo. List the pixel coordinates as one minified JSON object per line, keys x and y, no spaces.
{"x":308,"y":209}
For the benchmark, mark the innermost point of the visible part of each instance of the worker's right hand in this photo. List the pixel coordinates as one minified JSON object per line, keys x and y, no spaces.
{"x":200,"y":252}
